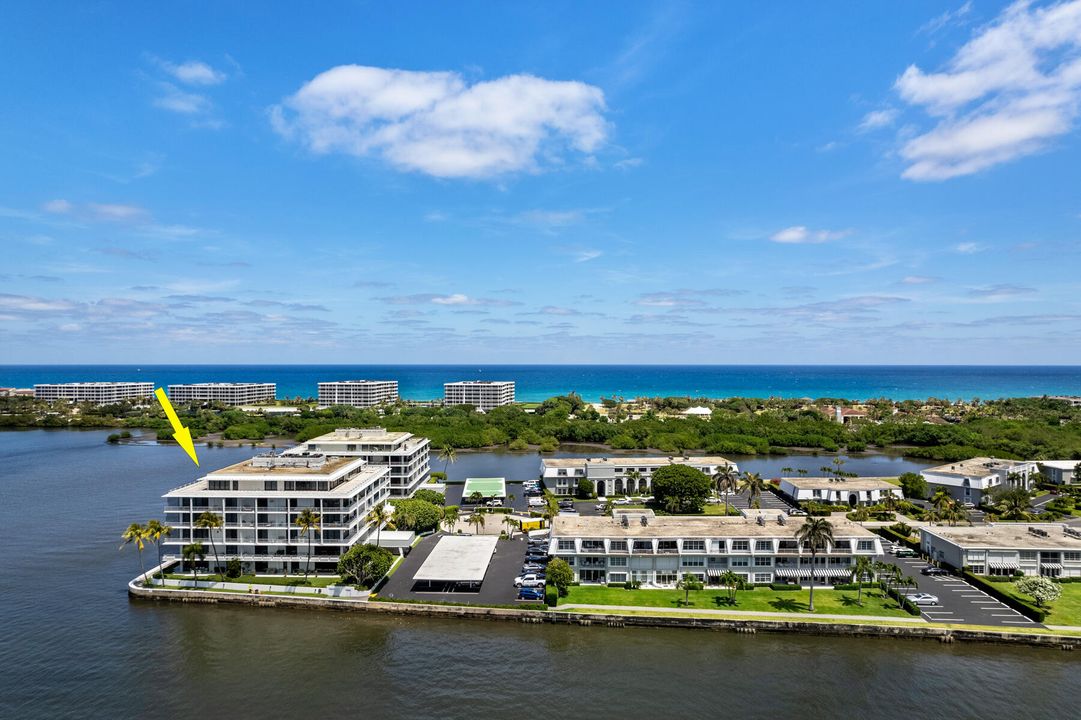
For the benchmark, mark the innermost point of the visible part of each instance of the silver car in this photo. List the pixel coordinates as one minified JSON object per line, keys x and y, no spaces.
{"x":922,"y":599}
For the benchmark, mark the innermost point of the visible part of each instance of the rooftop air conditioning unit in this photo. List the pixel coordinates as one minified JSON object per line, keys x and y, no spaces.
{"x":644,"y":520}
{"x":624,"y":521}
{"x":761,"y":520}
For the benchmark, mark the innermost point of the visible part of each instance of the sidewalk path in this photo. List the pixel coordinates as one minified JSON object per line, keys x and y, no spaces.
{"x":742,"y":613}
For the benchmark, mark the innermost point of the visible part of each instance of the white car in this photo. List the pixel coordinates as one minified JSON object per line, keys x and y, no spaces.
{"x":922,"y":599}
{"x":536,"y":502}
{"x":494,"y":503}
{"x":622,"y":501}
{"x":529,"y":580}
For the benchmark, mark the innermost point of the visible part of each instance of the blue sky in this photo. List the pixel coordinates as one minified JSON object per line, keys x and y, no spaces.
{"x":495,"y":182}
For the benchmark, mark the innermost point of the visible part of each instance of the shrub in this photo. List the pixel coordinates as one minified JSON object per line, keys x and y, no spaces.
{"x":363,"y":565}
{"x":585,"y":488}
{"x":518,"y":444}
{"x":560,"y":575}
{"x":784,"y":587}
{"x":435,"y":498}
{"x":632,"y":584}
{"x":416,"y":515}
{"x":233,"y":568}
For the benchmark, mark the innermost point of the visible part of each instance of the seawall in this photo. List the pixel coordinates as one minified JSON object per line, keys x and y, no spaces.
{"x":943,"y":635}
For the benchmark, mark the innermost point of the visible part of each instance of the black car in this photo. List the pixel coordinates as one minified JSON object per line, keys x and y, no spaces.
{"x":932,"y":570}
{"x":542,"y":559}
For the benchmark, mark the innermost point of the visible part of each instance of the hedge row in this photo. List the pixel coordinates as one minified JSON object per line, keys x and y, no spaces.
{"x":1028,"y":610}
{"x":891,"y":534}
{"x":412,"y":601}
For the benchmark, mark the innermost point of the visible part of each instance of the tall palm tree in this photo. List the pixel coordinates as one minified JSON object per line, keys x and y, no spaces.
{"x":447,"y":454}
{"x":512,"y":524}
{"x":815,"y":533}
{"x":308,"y":522}
{"x":753,"y":485}
{"x":477,"y":521}
{"x":450,"y":517}
{"x":136,"y":535}
{"x":635,"y":477}
{"x":941,"y":499}
{"x":730,"y":581}
{"x":726,"y":479}
{"x":193,"y":555}
{"x":156,"y":531}
{"x":379,"y":515}
{"x":1014,"y":506}
{"x":838,"y":463}
{"x":211,"y":521}
{"x":862,"y":570}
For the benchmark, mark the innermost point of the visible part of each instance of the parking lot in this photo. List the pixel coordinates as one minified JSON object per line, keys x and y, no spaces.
{"x":959,"y":602}
{"x":497,"y":588}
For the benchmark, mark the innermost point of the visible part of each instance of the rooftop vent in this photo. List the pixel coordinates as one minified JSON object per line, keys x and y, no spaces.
{"x":1071,"y":532}
{"x":644,"y":520}
{"x":1038,"y":532}
{"x":782,"y":520}
{"x":624,"y":521}
{"x":761,"y":520}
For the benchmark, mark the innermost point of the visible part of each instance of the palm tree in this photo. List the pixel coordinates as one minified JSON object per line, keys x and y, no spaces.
{"x":308,"y":522}
{"x":193,"y":554}
{"x":1014,"y":506}
{"x":727,"y":480}
{"x":477,"y":521}
{"x":156,"y":530}
{"x":634,"y":476}
{"x":815,"y":533}
{"x":379,"y":515}
{"x":512,"y":524}
{"x":941,"y":499}
{"x":688,"y":582}
{"x":730,"y":581}
{"x":450,"y":517}
{"x":448,"y":455}
{"x":838,"y":463}
{"x":136,"y":534}
{"x":862,"y":570}
{"x":753,"y":485}
{"x":211,"y":521}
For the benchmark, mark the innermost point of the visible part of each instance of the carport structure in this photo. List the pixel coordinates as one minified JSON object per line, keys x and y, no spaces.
{"x":456,"y":564}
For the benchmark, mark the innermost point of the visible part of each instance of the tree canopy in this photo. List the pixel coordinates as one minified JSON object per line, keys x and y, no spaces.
{"x":680,"y":488}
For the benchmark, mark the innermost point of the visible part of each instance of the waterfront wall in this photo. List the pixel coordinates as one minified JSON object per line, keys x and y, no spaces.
{"x":944,"y":635}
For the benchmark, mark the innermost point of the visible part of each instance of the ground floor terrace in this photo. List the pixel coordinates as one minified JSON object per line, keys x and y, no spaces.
{"x":667,"y":571}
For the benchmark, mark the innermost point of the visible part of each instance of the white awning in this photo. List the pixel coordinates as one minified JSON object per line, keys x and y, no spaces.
{"x":1051,"y":565}
{"x":1002,"y":563}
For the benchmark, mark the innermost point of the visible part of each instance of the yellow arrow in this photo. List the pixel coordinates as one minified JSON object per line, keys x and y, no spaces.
{"x":180,"y":433}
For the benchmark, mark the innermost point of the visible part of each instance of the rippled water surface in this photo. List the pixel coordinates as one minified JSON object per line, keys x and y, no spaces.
{"x":73,"y":645}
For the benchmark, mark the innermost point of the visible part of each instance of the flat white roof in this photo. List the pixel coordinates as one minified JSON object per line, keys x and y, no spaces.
{"x":458,"y":558}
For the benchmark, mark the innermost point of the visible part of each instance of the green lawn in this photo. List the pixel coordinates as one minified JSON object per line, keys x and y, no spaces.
{"x":313,"y":581}
{"x":1064,"y":611}
{"x":834,"y":602}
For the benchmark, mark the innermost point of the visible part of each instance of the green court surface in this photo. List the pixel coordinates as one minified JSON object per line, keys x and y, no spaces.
{"x":488,"y":487}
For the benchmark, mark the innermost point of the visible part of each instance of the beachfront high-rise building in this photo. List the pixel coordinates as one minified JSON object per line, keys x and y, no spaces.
{"x":482,"y":394}
{"x":100,"y":393}
{"x":259,"y":500}
{"x":227,"y":393}
{"x":404,"y":453}
{"x":358,"y":393}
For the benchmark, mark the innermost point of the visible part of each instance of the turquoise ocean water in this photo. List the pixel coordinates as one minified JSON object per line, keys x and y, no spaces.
{"x":537,"y":382}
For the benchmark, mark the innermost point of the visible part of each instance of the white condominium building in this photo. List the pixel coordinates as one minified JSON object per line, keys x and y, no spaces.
{"x":969,"y":480}
{"x":759,"y":548}
{"x":1006,"y":548}
{"x":619,"y":475}
{"x":358,"y":393}
{"x":100,"y":393}
{"x":227,"y":393}
{"x":839,"y":491}
{"x":403,"y":453}
{"x":259,"y":500}
{"x":1061,"y":472}
{"x":482,"y":394}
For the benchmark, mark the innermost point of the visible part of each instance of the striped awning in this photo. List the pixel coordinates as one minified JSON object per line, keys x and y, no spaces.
{"x":713,"y":572}
{"x":821,"y":573}
{"x":1002,"y":563}
{"x":786,"y":572}
{"x":1051,"y":565}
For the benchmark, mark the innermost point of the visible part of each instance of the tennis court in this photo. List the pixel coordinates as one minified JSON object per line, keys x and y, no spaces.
{"x":487,"y":487}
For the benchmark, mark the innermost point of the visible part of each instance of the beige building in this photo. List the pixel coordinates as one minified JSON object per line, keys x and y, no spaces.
{"x":482,"y":394}
{"x":99,"y":393}
{"x":358,"y":393}
{"x":760,"y":547}
{"x":227,"y":393}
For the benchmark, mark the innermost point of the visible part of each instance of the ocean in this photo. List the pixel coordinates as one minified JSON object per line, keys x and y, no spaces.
{"x":538,"y":382}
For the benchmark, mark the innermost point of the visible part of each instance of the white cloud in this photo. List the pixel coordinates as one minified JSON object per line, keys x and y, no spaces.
{"x":946,"y":19}
{"x":801,"y":234}
{"x":587,"y":255}
{"x":194,"y":72}
{"x":918,"y":279}
{"x":57,"y":207}
{"x":176,"y":100}
{"x":878,"y":119}
{"x":454,"y":299}
{"x":436,"y":123}
{"x":1006,"y":93}
{"x":968,"y":248}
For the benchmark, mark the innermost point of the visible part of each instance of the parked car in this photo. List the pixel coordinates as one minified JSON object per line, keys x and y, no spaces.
{"x":494,"y":503}
{"x":533,"y":567}
{"x":922,"y":599}
{"x":968,"y":505}
{"x":537,"y":558}
{"x":529,"y":580}
{"x":531,"y":593}
{"x":932,"y":570}
{"x":902,"y":552}
{"x":566,"y":504}
{"x":796,"y":512}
